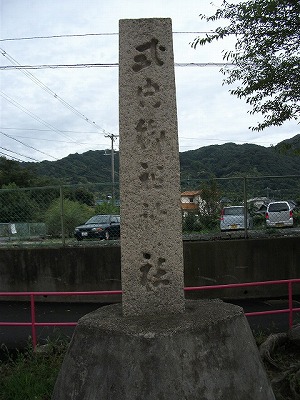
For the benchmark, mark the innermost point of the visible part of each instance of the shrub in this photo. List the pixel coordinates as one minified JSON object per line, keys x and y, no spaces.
{"x":296,"y":216}
{"x":259,"y":221}
{"x":107,"y":208}
{"x":191,"y":223}
{"x":73,"y":212}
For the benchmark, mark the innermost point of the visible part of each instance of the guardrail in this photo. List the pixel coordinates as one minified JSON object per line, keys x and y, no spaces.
{"x":33,"y":323}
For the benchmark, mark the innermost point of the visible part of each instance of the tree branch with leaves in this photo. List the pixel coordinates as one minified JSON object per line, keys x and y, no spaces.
{"x":266,"y":58}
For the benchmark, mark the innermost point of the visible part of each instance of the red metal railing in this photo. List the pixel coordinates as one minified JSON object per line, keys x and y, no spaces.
{"x":32,"y":296}
{"x":33,"y":323}
{"x":288,"y":282}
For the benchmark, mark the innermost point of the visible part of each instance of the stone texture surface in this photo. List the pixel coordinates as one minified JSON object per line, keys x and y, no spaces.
{"x":206,"y":353}
{"x":151,"y":241}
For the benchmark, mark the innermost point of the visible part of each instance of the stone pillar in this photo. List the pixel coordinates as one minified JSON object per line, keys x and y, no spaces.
{"x":151,"y":232}
{"x":149,"y":348}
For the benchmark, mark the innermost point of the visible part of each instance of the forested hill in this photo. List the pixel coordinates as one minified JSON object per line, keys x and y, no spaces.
{"x":231,"y":159}
{"x":211,"y":161}
{"x":91,"y":166}
{"x":225,"y":160}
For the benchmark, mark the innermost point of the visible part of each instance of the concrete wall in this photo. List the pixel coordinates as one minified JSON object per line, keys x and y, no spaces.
{"x":205,"y":263}
{"x":237,"y":261}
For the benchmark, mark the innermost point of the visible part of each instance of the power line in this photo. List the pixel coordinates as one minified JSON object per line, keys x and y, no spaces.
{"x":59,"y":141}
{"x":54,"y":66}
{"x":12,"y":157}
{"x":49,"y":91}
{"x":26,"y":145}
{"x":19,"y":154}
{"x":16,"y":104}
{"x":208,"y":64}
{"x":52,"y":140}
{"x":58,"y":36}
{"x":99,"y":65}
{"x":45,"y":130}
{"x":90,"y":34}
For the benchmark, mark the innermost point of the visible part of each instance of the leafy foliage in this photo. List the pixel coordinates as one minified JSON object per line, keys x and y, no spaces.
{"x":74,"y":214}
{"x":16,"y":205}
{"x":82,"y":195}
{"x":266,"y":56}
{"x":210,"y":209}
{"x":190,"y":223}
{"x":107,"y":208}
{"x":13,"y":172}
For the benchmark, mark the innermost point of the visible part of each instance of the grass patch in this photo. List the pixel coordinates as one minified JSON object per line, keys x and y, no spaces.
{"x":29,"y":374}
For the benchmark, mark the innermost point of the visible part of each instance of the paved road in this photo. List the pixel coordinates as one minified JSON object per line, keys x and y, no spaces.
{"x":14,"y":337}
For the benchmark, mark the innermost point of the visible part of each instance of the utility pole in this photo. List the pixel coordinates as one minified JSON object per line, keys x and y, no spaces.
{"x":112,"y":138}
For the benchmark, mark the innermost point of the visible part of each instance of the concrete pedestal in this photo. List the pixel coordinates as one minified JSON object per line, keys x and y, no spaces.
{"x":206,"y":353}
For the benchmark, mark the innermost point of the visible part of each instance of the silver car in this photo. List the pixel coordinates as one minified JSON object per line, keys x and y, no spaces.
{"x":233,"y":218}
{"x":279,"y":214}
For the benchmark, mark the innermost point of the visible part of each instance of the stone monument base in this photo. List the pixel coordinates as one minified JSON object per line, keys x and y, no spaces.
{"x":206,"y":353}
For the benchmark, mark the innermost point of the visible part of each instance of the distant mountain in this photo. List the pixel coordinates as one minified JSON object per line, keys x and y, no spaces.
{"x":219,"y":161}
{"x":232,"y":159}
{"x":91,"y":166}
{"x":289,"y":146}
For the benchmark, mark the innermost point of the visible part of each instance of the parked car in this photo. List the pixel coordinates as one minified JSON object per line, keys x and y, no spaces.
{"x":279,"y":214}
{"x":233,"y":218}
{"x":99,"y":227}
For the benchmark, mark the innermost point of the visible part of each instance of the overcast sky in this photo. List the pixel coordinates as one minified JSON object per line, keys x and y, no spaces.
{"x":50,"y":113}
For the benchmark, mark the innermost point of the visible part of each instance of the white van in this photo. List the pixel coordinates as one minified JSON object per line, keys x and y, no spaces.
{"x":233,"y":218}
{"x":279,"y":214}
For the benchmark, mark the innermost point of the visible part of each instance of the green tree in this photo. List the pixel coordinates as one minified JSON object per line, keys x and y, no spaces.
{"x":82,"y":195}
{"x":190,"y":222}
{"x":209,"y":208}
{"x":107,"y":208}
{"x":16,"y":205}
{"x":13,"y":172}
{"x":74,"y":214}
{"x":266,"y":56}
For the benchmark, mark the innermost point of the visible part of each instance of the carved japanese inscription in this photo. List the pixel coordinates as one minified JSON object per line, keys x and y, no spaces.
{"x":151,"y":240}
{"x":144,"y":60}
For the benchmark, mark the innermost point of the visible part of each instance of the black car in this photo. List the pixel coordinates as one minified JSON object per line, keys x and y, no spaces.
{"x":99,"y":227}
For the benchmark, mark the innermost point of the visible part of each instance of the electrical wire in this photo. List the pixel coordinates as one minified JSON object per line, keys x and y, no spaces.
{"x":99,"y":65}
{"x":53,"y":140}
{"x":59,"y":141}
{"x":36,"y":118}
{"x":18,"y":105}
{"x":23,"y":69}
{"x":89,"y":34}
{"x":19,"y":154}
{"x":58,"y":36}
{"x":11,"y":157}
{"x":26,"y":145}
{"x":45,"y":130}
{"x":49,"y":91}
